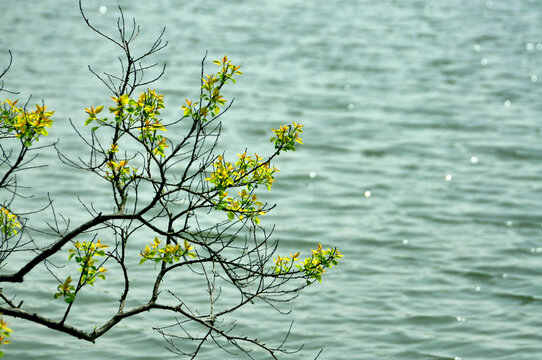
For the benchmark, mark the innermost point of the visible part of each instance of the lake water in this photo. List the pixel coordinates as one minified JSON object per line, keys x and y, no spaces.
{"x":422,"y":163}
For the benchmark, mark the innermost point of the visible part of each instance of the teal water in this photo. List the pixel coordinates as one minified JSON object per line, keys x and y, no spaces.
{"x":422,"y":162}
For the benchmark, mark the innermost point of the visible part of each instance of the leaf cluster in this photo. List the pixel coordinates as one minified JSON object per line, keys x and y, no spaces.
{"x":26,"y":125}
{"x":313,"y":267}
{"x":169,"y":253}
{"x":248,"y":172}
{"x":85,"y":254}
{"x":8,"y":222}
{"x":287,"y":136}
{"x":5,"y":332}
{"x":210,"y":91}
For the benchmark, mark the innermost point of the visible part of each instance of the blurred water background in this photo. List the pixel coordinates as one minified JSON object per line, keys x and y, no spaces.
{"x":422,"y":161}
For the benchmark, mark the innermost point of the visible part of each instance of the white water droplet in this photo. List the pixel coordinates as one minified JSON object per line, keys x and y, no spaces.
{"x":504,"y":276}
{"x":484,"y":62}
{"x":448,"y":177}
{"x":509,"y":223}
{"x":367,"y":193}
{"x":474,"y":160}
{"x":476,"y":47}
{"x":534,"y":78}
{"x":529,"y":46}
{"x":103,"y":9}
{"x":312,"y":174}
{"x":405,"y":242}
{"x":477,"y":288}
{"x":460,"y":319}
{"x":507,"y":103}
{"x":351,"y":107}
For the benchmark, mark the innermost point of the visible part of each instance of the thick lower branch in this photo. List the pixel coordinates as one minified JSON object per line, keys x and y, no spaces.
{"x":54,"y":248}
{"x":39,"y":319}
{"x":78,"y":333}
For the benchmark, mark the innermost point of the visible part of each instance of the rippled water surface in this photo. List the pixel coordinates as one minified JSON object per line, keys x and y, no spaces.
{"x":422,"y":161}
